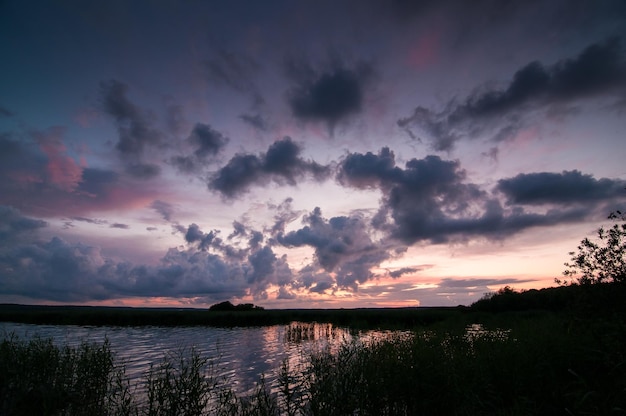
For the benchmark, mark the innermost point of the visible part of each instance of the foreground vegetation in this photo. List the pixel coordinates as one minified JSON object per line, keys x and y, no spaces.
{"x":514,"y":363}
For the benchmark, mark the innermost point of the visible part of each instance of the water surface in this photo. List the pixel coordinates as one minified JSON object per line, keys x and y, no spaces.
{"x":239,"y":355}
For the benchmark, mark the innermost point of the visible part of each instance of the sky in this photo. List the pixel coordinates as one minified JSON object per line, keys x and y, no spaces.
{"x":304,"y":154}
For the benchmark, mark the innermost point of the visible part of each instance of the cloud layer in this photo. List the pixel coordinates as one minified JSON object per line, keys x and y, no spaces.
{"x":197,"y":151}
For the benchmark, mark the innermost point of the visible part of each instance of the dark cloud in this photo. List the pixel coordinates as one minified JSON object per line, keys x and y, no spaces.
{"x":493,"y":222}
{"x":206,"y":144}
{"x":187,"y":273}
{"x":207,"y":141}
{"x":143,"y":170}
{"x":282,"y":160}
{"x":53,"y":270}
{"x":281,"y":163}
{"x":342,"y":245}
{"x":95,"y":221}
{"x":239,"y":229}
{"x":97,"y":181}
{"x":262,"y":262}
{"x":267,"y":269}
{"x":256,"y":239}
{"x":559,"y":188}
{"x":285,"y":293}
{"x":236,"y":248}
{"x":14,"y":224}
{"x":312,"y":277}
{"x":369,"y":170}
{"x":165,"y":209}
{"x":321,"y":287}
{"x":402,"y":271}
{"x":195,"y":235}
{"x":185,"y":164}
{"x":64,"y":272}
{"x":600,"y":69}
{"x":238,"y":174}
{"x":135,"y":127}
{"x":284,"y":214}
{"x":330,"y":96}
{"x":431,"y":200}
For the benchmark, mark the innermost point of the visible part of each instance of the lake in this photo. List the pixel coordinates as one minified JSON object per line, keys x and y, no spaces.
{"x":240,"y":355}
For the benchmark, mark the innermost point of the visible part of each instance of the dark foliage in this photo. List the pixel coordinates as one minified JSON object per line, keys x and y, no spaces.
{"x":605,"y":299}
{"x":227,"y":306}
{"x":602,"y":260}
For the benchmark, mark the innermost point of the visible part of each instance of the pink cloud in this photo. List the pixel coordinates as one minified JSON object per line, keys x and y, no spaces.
{"x":62,"y":171}
{"x":52,"y":202}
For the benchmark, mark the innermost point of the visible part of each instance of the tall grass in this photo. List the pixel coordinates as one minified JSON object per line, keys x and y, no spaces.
{"x":548,"y":366}
{"x":542,"y":364}
{"x":36,"y":377}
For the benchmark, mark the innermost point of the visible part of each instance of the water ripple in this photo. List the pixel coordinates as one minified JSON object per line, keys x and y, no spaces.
{"x":239,"y":356}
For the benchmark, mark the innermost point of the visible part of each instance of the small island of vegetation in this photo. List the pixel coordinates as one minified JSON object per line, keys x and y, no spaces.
{"x":227,"y":306}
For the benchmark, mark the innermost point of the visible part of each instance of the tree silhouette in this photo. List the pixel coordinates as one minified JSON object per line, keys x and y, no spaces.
{"x":227,"y":306}
{"x":602,"y":260}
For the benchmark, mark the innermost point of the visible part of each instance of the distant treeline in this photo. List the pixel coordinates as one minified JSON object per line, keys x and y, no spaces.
{"x":597,"y":299}
{"x":391,"y":318}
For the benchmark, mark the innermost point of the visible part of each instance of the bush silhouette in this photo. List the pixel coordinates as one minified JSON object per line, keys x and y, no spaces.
{"x":227,"y":306}
{"x":602,"y":260}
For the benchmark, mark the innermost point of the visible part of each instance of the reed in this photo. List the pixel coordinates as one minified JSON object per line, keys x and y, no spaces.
{"x":40,"y":378}
{"x":541,"y":366}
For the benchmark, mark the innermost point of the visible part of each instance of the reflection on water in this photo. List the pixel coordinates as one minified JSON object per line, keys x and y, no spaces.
{"x":239,"y":355}
{"x":298,"y":332}
{"x":476,"y":331}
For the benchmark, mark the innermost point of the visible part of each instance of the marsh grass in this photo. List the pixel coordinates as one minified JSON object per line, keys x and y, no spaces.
{"x":39,"y":378}
{"x":547,"y":366}
{"x":542,"y":364}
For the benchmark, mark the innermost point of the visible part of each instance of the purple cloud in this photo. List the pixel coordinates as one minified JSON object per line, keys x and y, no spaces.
{"x":280,"y":164}
{"x":599,"y":70}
